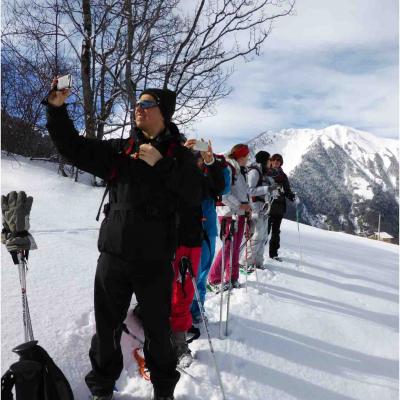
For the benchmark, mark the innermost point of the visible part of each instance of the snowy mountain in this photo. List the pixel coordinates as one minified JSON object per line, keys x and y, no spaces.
{"x":343,"y":176}
{"x":321,"y":328}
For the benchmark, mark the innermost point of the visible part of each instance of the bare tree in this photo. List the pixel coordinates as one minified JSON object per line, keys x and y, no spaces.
{"x":123,"y":46}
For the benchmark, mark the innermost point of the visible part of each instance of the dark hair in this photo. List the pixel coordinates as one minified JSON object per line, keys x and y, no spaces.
{"x":262,"y":157}
{"x":277,"y":157}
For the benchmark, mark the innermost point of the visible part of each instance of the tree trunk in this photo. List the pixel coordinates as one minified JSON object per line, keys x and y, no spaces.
{"x":86,"y":70}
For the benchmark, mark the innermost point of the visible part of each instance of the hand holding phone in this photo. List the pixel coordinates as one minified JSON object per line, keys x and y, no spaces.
{"x":64,"y":82}
{"x":200,"y":146}
{"x":58,"y":92}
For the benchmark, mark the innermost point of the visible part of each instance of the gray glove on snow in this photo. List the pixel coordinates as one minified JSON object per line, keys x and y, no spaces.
{"x":16,"y":208}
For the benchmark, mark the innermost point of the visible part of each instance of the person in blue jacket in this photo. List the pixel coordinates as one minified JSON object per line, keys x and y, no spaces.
{"x":209,"y":225}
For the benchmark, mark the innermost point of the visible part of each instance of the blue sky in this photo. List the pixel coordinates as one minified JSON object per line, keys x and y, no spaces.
{"x":333,"y":62}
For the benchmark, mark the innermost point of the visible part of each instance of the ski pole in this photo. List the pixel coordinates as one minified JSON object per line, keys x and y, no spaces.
{"x":205,"y":323}
{"x":247,"y":243}
{"x":246,"y":258}
{"x":223,"y":238}
{"x":26,"y":318}
{"x":298,"y":230}
{"x":232,"y":230}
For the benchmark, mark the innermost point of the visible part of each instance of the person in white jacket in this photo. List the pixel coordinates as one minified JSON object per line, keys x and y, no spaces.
{"x":260,"y":185}
{"x":235,"y":204}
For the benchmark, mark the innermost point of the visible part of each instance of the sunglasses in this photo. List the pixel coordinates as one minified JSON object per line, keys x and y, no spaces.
{"x":145,"y":104}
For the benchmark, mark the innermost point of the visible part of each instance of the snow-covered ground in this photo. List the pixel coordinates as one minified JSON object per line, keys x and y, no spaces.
{"x":323,"y":329}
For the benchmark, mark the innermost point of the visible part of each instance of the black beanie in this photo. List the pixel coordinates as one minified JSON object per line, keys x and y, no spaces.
{"x":166,"y":100}
{"x":262,"y":157}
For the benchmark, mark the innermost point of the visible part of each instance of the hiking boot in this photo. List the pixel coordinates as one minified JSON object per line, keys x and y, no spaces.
{"x":196,"y":319}
{"x":236,"y":285}
{"x":183,"y":353}
{"x":276,"y":258}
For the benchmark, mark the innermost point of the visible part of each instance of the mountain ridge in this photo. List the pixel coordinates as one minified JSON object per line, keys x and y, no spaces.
{"x":343,"y":176}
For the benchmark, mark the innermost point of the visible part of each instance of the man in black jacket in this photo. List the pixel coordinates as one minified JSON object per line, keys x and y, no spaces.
{"x":278,"y":203}
{"x":147,"y":176}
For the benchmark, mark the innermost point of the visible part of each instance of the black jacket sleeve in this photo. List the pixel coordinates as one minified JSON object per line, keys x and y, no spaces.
{"x":98,"y":157}
{"x":288,"y":191}
{"x":182,"y":177}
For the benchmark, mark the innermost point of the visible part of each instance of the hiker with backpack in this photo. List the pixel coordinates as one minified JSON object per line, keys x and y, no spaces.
{"x":214,"y":189}
{"x":234,"y":205}
{"x":278,"y":204}
{"x":260,"y":186}
{"x":190,"y":237}
{"x":147,"y":176}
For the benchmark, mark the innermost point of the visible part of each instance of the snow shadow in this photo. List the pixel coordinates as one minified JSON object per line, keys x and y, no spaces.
{"x":341,"y":274}
{"x":252,"y":371}
{"x":315,"y":353}
{"x":393,"y":297}
{"x":390,"y":321}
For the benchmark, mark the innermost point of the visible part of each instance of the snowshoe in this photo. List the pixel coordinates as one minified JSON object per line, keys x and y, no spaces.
{"x":211,"y":287}
{"x":141,"y":362}
{"x":246,"y":270}
{"x":108,"y":397}
{"x":163,"y":397}
{"x":276,"y":258}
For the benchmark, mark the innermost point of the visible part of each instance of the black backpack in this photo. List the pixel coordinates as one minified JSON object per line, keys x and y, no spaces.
{"x":35,"y":376}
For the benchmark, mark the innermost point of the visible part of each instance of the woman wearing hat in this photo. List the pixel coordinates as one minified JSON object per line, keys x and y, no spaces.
{"x":235,"y":204}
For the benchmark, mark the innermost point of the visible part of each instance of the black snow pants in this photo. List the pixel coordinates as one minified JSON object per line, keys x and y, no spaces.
{"x":274,"y":225}
{"x":116,"y":280}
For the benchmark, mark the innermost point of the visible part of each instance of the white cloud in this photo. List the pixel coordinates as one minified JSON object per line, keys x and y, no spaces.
{"x":335,"y":62}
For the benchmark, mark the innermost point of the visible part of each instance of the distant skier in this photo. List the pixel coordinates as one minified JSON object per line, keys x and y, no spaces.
{"x":234,"y":204}
{"x":278,"y":204}
{"x":260,"y":185}
{"x":190,"y":237}
{"x":147,"y":175}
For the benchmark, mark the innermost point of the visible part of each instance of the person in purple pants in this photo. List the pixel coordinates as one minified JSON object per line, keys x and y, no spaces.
{"x":234,"y":205}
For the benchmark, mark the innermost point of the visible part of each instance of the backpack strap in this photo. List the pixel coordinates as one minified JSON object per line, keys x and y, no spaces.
{"x":233,"y":172}
{"x":260,"y":175}
{"x":107,"y":189}
{"x":128,"y":151}
{"x":260,"y":178}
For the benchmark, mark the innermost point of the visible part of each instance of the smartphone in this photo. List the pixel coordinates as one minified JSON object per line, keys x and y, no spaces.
{"x":200,"y":146}
{"x":64,"y":82}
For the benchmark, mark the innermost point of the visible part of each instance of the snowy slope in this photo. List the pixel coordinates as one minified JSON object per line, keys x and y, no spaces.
{"x":343,"y":176}
{"x":323,"y":330}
